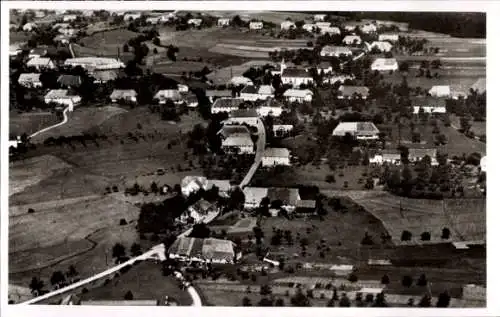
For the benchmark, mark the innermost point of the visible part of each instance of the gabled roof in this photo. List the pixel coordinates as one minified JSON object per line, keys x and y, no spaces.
{"x":277,"y":152}
{"x":426,"y":101}
{"x":57,"y":93}
{"x":122,"y":93}
{"x":244,"y":113}
{"x":286,"y":195}
{"x":421,"y":152}
{"x":266,"y":90}
{"x":69,"y":80}
{"x":254,"y":194}
{"x":222,"y":185}
{"x":355,"y":128}
{"x":227,"y":103}
{"x":219,"y":93}
{"x":228,"y":130}
{"x":238,"y":140}
{"x":250,"y":89}
{"x":337,"y":50}
{"x":29,"y":77}
{"x":296,"y":72}
{"x":351,"y":90}
{"x":168,"y":94}
{"x":300,"y":93}
{"x":307,"y":203}
{"x":208,"y":249}
{"x":39,"y":61}
{"x":105,"y":75}
{"x":201,"y":181}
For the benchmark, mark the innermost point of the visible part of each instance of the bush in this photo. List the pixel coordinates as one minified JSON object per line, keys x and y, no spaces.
{"x":330,"y":178}
{"x":85,"y":290}
{"x":407,"y":281}
{"x":353,"y":278}
{"x":406,"y":235}
{"x":31,"y":210}
{"x":129,"y":296}
{"x":385,"y":279}
{"x":123,"y":222}
{"x":422,"y":280}
{"x":445,"y":234}
{"x":426,"y":236}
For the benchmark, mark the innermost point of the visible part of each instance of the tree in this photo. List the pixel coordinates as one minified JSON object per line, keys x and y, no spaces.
{"x":246,"y":301}
{"x":422,"y":280}
{"x":200,"y":230}
{"x":279,"y":302}
{"x":128,"y":296}
{"x":380,"y":300}
{"x":265,"y":290}
{"x":36,"y":285}
{"x":407,"y":281}
{"x":425,"y":301}
{"x":299,"y":299}
{"x":118,"y":251}
{"x":406,"y":235}
{"x":135,"y":250}
{"x":57,"y":278}
{"x":385,"y":279}
{"x":445,"y":234}
{"x":71,"y":272}
{"x":404,"y":66}
{"x":265,"y":302}
{"x":31,"y":210}
{"x":443,"y":300}
{"x":344,"y":301}
{"x":154,"y":188}
{"x":425,"y":236}
{"x":465,"y":124}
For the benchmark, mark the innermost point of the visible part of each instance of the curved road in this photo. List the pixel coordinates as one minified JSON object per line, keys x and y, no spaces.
{"x":65,"y":119}
{"x":259,"y":153}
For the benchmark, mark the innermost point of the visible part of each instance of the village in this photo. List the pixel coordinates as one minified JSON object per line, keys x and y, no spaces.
{"x":301,"y":177}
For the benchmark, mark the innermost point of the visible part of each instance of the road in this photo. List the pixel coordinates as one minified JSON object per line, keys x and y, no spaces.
{"x":70,"y":46}
{"x":65,"y":120}
{"x":259,"y":153}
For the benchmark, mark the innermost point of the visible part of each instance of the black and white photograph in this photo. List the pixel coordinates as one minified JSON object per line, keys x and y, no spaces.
{"x":234,"y":158}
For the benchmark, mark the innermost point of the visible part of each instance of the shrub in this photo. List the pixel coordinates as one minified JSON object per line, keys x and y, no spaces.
{"x":422,"y":280}
{"x":31,"y":210}
{"x":426,"y":236}
{"x":123,"y":222}
{"x":129,"y":296}
{"x":385,"y":279}
{"x":406,"y":235}
{"x":353,"y":278}
{"x":445,"y":234}
{"x":407,"y":281}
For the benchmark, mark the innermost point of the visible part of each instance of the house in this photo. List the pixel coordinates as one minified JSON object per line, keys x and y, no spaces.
{"x":324,"y":67}
{"x":321,"y":25}
{"x":306,"y":207}
{"x":95,"y":63}
{"x":384,"y":64}
{"x":440,"y":91}
{"x":212,"y":95}
{"x":230,"y":129}
{"x":226,"y":105}
{"x":69,"y":17}
{"x":296,"y":77}
{"x":270,"y":108}
{"x":386,"y":156}
{"x":416,"y":154}
{"x":352,"y":40}
{"x":282,"y":130}
{"x":287,"y":25}
{"x":193,"y":184}
{"x":352,"y":92}
{"x":358,"y":130}
{"x":479,"y":86}
{"x":266,"y":91}
{"x":224,"y":187}
{"x":67,"y":32}
{"x":382,"y":46}
{"x":249,"y":93}
{"x":319,"y":17}
{"x":388,"y":37}
{"x":368,"y":28}
{"x":131,"y":16}
{"x":29,"y":27}
{"x":309,"y":27}
{"x":238,"y":144}
{"x":222,"y":22}
{"x":207,"y":250}
{"x":287,"y":198}
{"x":182,"y":88}
{"x":39,"y":14}
{"x":63,"y":39}
{"x":190,"y":99}
{"x":254,"y":196}
{"x":256,"y":25}
{"x":332,"y":30}
{"x":243,"y":116}
{"x":298,"y":95}
{"x":41,"y":63}
{"x":350,"y":27}
{"x":241,"y":80}
{"x":330,"y":50}
{"x":195,"y":22}
{"x":337,"y":78}
{"x":428,"y":105}
{"x":168,"y":94}
{"x":59,"y":26}
{"x":30,"y":80}
{"x":276,"y":156}
{"x":171,"y":16}
{"x":153,"y":20}
{"x":69,"y":81}
{"x":62,"y":97}
{"x":37,"y":52}
{"x":127,"y":95}
{"x":103,"y":76}
{"x":198,"y":211}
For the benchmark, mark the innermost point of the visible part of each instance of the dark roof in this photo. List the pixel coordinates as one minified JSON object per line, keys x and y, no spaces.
{"x":308,"y":203}
{"x":250,"y":89}
{"x":69,"y":80}
{"x":244,"y":113}
{"x":105,"y":75}
{"x":228,"y":102}
{"x":421,"y":152}
{"x":286,"y":195}
{"x":427,"y":101}
{"x":228,"y":130}
{"x":351,"y":90}
{"x":295,"y":72}
{"x":219,"y":93}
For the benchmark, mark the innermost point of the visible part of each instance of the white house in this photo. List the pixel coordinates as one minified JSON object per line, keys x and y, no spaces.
{"x":428,"y":105}
{"x":296,"y":77}
{"x":153,"y":20}
{"x":194,"y":22}
{"x":332,"y":30}
{"x":299,"y":95}
{"x":41,"y":63}
{"x":208,"y":250}
{"x":238,"y":144}
{"x":254,"y":196}
{"x":182,"y":88}
{"x":221,"y":22}
{"x":382,"y":46}
{"x":386,"y":156}
{"x":243,"y":116}
{"x":417,"y":154}
{"x":309,"y":27}
{"x":128,"y":95}
{"x":359,"y":130}
{"x":28,"y":27}
{"x":61,"y":96}
{"x":69,"y":17}
{"x":226,"y":105}
{"x":241,"y":80}
{"x":168,"y":17}
{"x":352,"y":40}
{"x":270,"y":108}
{"x":368,"y":28}
{"x":266,"y":91}
{"x":39,"y":14}
{"x":212,"y":94}
{"x":168,"y":94}
{"x":388,"y":37}
{"x":321,"y":25}
{"x":192,"y":184}
{"x":256,"y":25}
{"x":30,"y":80}
{"x":336,"y":51}
{"x":282,"y":130}
{"x":95,"y":63}
{"x":286,"y":25}
{"x":440,"y":91}
{"x":249,"y":93}
{"x":319,"y":17}
{"x":131,"y":16}
{"x":384,"y":64}
{"x":276,"y":156}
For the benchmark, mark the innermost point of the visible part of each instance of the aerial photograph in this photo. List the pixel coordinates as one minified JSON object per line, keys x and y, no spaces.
{"x":247,"y":158}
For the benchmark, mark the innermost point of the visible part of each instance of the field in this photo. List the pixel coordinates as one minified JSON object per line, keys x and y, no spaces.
{"x":109,"y":42}
{"x":479,"y":128}
{"x":30,"y":122}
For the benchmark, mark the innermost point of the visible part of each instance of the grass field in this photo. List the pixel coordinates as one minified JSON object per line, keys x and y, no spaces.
{"x":108,"y":42}
{"x":30,"y":122}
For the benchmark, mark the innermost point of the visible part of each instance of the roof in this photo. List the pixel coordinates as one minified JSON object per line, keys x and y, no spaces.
{"x":355,"y":128}
{"x":69,"y":80}
{"x":381,"y":45}
{"x":121,"y":93}
{"x":351,"y":90}
{"x":384,"y":62}
{"x":276,"y":152}
{"x":324,"y":65}
{"x":244,"y":113}
{"x":219,"y":93}
{"x":479,"y":85}
{"x":39,"y":51}
{"x":97,"y":62}
{"x":254,"y":195}
{"x":421,"y":152}
{"x":301,"y":93}
{"x":440,"y":90}
{"x":227,"y":103}
{"x":266,"y":90}
{"x":222,"y":185}
{"x":38,"y":61}
{"x":352,"y":38}
{"x":286,"y":195}
{"x":277,"y":127}
{"x":329,"y":49}
{"x":296,"y":72}
{"x":105,"y":75}
{"x":202,"y":205}
{"x":29,"y":77}
{"x":168,"y":94}
{"x":57,"y":93}
{"x":250,"y":89}
{"x":209,"y":249}
{"x":425,"y":101}
{"x":228,"y":130}
{"x":238,"y":140}
{"x":200,"y":180}
{"x":306,"y":203}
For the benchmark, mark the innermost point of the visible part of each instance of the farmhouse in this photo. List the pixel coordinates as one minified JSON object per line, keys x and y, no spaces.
{"x":69,"y":81}
{"x":336,"y":51}
{"x":428,"y":105}
{"x":241,"y":80}
{"x":270,"y":108}
{"x":282,"y":130}
{"x":30,"y":80}
{"x":62,"y":97}
{"x":386,"y":156}
{"x":319,"y":17}
{"x":299,"y":95}
{"x":287,"y":198}
{"x":305,"y":207}
{"x":440,"y":91}
{"x":208,"y":250}
{"x":198,"y":211}
{"x":194,"y":22}
{"x":41,"y":63}
{"x":479,"y":86}
{"x":238,"y":144}
{"x":103,"y":76}
{"x":256,"y":25}
{"x":226,"y":105}
{"x":69,"y":17}
{"x":221,"y":22}
{"x":192,"y":184}
{"x":332,"y":30}
{"x":287,"y":25}
{"x":212,"y":95}
{"x":358,"y":130}
{"x":296,"y":77}
{"x":243,"y":116}
{"x":368,"y":28}
{"x":168,"y":94}
{"x":224,"y":186}
{"x":352,"y":92}
{"x":131,"y":16}
{"x":28,"y":27}
{"x":388,"y":37}
{"x":266,"y":91}
{"x":276,"y":156}
{"x":352,"y":40}
{"x":382,"y":46}
{"x":384,"y":64}
{"x":324,"y":67}
{"x":249,"y":93}
{"x":128,"y":95}
{"x":230,"y":129}
{"x":417,"y":154}
{"x":254,"y":196}
{"x":95,"y":63}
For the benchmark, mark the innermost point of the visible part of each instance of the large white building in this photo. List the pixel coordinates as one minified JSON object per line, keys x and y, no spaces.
{"x":359,"y":130}
{"x":382,"y":46}
{"x":298,"y":95}
{"x":226,"y":105}
{"x":270,"y":108}
{"x":128,"y":95}
{"x":428,"y":105}
{"x":275,"y":157}
{"x":336,"y":51}
{"x":221,"y":22}
{"x":95,"y":63}
{"x":41,"y":63}
{"x":208,"y":250}
{"x":440,"y":91}
{"x":62,"y":97}
{"x":385,"y":64}
{"x":256,"y":25}
{"x":287,"y":25}
{"x":296,"y":77}
{"x":30,"y":80}
{"x":238,"y":144}
{"x":388,"y":37}
{"x":352,"y":40}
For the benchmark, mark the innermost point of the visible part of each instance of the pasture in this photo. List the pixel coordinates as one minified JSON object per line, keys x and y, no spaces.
{"x":108,"y":42}
{"x":30,"y":122}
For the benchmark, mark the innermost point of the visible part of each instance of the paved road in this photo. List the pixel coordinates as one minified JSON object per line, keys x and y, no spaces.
{"x":65,"y":119}
{"x":259,"y":153}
